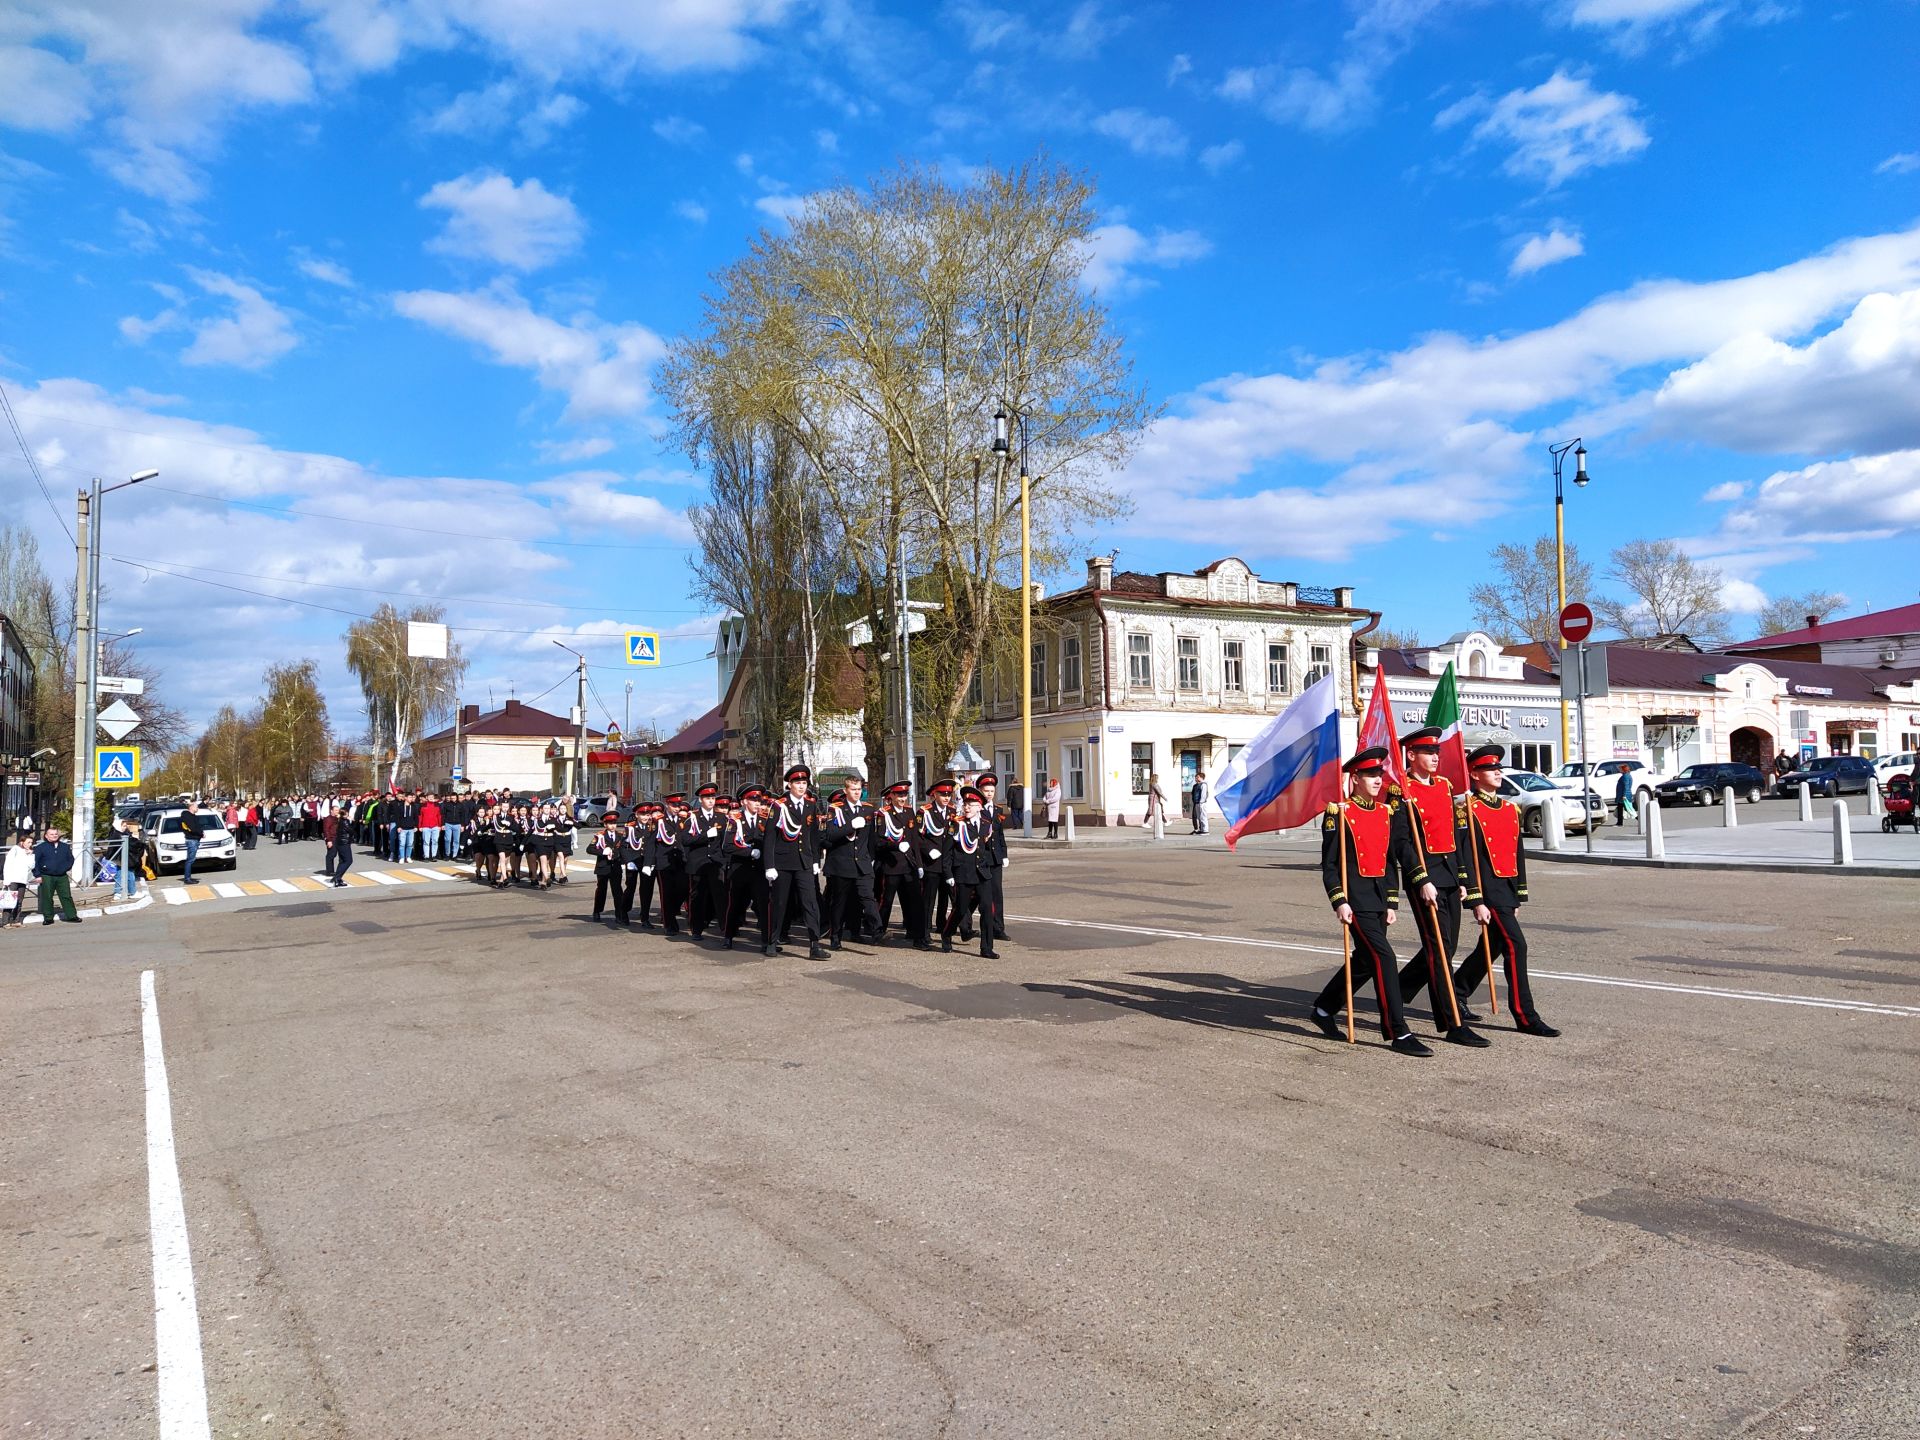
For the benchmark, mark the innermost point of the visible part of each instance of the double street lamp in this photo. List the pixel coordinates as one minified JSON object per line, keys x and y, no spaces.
{"x":1559,"y":453}
{"x":86,"y":662}
{"x":1001,"y":446}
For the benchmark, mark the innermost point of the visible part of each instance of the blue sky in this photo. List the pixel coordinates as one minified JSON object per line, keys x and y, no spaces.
{"x":412,"y":262}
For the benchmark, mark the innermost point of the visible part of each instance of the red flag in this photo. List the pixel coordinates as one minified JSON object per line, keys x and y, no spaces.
{"x":1376,"y":728}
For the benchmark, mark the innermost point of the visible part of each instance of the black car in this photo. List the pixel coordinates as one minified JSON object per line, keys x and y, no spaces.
{"x":1702,"y":784}
{"x":1832,"y":775}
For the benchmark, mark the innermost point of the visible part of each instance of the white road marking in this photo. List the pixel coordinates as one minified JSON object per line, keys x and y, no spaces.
{"x":381,"y":877}
{"x":176,"y":1315}
{"x":177,"y":896}
{"x":1862,"y":1007}
{"x":226,"y":889}
{"x":282,"y":887}
{"x":426,"y":874}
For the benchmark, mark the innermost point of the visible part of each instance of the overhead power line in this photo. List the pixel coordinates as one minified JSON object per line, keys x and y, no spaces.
{"x":33,"y":464}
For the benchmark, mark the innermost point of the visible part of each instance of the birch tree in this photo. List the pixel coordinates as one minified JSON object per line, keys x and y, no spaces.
{"x":404,"y":694}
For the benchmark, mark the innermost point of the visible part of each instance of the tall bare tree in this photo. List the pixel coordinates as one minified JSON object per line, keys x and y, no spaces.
{"x":292,"y":726}
{"x":1791,"y":612}
{"x":404,"y":693}
{"x":1669,"y":593}
{"x":1520,"y":602}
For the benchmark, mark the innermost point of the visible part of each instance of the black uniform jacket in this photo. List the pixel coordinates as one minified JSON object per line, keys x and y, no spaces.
{"x":699,"y":848}
{"x":793,"y":834}
{"x":894,"y":846}
{"x":849,"y":846}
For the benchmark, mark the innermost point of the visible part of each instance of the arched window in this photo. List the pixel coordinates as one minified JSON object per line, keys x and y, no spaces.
{"x":1477,"y":663}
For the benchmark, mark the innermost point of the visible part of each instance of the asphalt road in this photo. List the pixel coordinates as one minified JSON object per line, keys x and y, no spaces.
{"x":457,"y":1163}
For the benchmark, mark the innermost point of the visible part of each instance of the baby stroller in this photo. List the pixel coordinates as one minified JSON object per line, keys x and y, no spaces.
{"x":1899,"y":798}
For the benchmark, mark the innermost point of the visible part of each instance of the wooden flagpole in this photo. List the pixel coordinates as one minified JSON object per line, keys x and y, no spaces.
{"x":1346,"y":930}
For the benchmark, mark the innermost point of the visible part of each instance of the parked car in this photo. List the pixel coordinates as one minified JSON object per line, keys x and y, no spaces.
{"x":1888,"y":766}
{"x":1531,"y":791}
{"x":1571,"y":777}
{"x":591,"y":810}
{"x":1832,"y":775}
{"x":170,"y":846}
{"x":1702,"y":784}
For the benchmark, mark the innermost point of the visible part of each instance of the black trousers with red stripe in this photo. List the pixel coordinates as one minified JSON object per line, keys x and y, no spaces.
{"x":1430,"y":961}
{"x":1373,"y":964}
{"x":1508,"y":942}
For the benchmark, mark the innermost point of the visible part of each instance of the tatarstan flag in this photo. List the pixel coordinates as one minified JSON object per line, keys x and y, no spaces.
{"x":1443,"y":713}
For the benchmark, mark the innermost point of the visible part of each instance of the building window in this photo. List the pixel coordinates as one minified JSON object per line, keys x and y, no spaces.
{"x":1004,"y":759}
{"x":1537,"y":758}
{"x":973,"y":688}
{"x":1039,"y":779}
{"x":1140,"y":661}
{"x":1037,"y":667}
{"x":1142,"y":767}
{"x":1277,"y":669}
{"x":1233,"y":666}
{"x":1322,"y":666}
{"x":1069,"y":664}
{"x":1075,"y":759}
{"x":1189,"y":648}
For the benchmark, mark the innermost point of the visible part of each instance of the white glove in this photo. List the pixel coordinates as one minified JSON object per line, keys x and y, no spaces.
{"x":933,"y":854}
{"x":632,"y":866}
{"x":859,"y":822}
{"x":756,"y":852}
{"x":949,"y":879}
{"x":904,"y":847}
{"x":713,"y":833}
{"x":922,"y":874}
{"x":646,"y":869}
{"x":773,"y":874}
{"x":816,"y":867}
{"x":1006,"y":863}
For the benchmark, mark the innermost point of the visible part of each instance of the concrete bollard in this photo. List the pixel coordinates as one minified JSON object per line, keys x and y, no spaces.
{"x":1069,"y":824}
{"x":1656,"y":840}
{"x":1643,"y":802}
{"x":1729,"y":807}
{"x":1806,"y":802}
{"x":1553,"y":830}
{"x":1876,"y":805}
{"x":1842,"y":836}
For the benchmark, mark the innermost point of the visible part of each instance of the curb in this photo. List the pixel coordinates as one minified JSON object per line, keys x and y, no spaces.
{"x":1764,"y":867}
{"x":94,"y":912}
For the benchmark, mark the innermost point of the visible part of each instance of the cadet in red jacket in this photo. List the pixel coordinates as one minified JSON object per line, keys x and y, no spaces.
{"x":1496,"y":886}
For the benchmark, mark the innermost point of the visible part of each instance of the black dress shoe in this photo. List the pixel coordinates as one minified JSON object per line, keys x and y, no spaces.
{"x":817,"y":951}
{"x":989,"y":954}
{"x":1329,"y":1025}
{"x":1535,"y":1026}
{"x":946,"y":944}
{"x":1462,"y":1035}
{"x":1001,"y":935}
{"x":727,"y":944}
{"x":1411,"y":1045}
{"x":1470,"y":1017}
{"x":770,"y":951}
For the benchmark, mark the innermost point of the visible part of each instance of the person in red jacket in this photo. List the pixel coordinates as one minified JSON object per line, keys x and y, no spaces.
{"x":430,"y":822}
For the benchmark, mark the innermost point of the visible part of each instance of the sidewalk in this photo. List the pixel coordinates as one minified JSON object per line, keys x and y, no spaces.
{"x":1789,"y":845}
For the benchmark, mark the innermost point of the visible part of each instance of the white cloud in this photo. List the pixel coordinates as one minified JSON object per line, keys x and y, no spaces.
{"x":691,"y":210}
{"x":1117,"y":252}
{"x":1726,"y":490}
{"x":1743,"y":597}
{"x":251,"y":333}
{"x":1216,"y":158}
{"x":986,"y":27}
{"x":601,"y":368}
{"x":549,"y":117}
{"x":566,"y":452}
{"x":1557,"y":129}
{"x":327,"y":272}
{"x":40,"y":90}
{"x":485,"y":111}
{"x":1179,"y":68}
{"x":678,"y":130}
{"x":490,"y":217}
{"x":1866,"y":497}
{"x":828,"y":141}
{"x":1352,"y":449}
{"x":1856,"y":388}
{"x":600,"y":500}
{"x":1539,"y":251}
{"x":1903,"y":163}
{"x":1143,"y":133}
{"x":782,"y":207}
{"x":1345,"y":93}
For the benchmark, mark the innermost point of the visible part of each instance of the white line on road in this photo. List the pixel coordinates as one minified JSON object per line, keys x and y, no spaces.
{"x":381,"y":877}
{"x":176,"y":1315}
{"x":1862,"y":1007}
{"x":177,"y":896}
{"x":227,"y":890}
{"x":426,"y":874}
{"x":282,"y":887}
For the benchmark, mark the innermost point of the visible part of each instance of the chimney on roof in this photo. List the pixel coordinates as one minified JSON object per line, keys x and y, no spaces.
{"x":1813,"y":622}
{"x":1100,"y":572}
{"x":469,"y":714}
{"x":514,"y":707}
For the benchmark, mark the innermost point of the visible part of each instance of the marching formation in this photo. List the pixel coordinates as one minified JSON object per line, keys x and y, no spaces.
{"x":1452,"y":853}
{"x":834,"y":870}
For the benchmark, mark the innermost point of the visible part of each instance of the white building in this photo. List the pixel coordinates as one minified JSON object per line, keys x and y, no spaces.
{"x":513,"y":748}
{"x":1503,"y":700}
{"x":1136,"y":675}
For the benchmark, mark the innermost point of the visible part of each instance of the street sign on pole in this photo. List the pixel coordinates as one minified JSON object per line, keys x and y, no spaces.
{"x":122,"y":685}
{"x":643,"y":647}
{"x":1576,"y":622}
{"x":116,"y":767}
{"x":119,"y":720}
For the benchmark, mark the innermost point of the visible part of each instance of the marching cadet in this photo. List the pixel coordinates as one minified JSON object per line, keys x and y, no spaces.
{"x":897,"y":865}
{"x":791,"y":860}
{"x":1362,"y":838}
{"x":669,"y":865}
{"x":609,"y":852}
{"x":746,"y":884}
{"x":972,"y":850}
{"x":700,"y":851}
{"x":997,"y":817}
{"x":1433,"y":813}
{"x":934,"y":845}
{"x":639,"y":869}
{"x":1496,"y":886}
{"x":848,"y":835}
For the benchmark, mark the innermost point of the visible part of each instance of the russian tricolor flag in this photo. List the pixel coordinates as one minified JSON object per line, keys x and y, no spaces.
{"x":1291,"y":770}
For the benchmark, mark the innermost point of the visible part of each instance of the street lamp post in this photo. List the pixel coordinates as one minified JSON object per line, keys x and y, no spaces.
{"x":86,"y":663}
{"x":1000,"y":446}
{"x":1559,"y":453}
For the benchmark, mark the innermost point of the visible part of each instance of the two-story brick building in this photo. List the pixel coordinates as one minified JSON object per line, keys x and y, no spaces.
{"x":1136,"y":675}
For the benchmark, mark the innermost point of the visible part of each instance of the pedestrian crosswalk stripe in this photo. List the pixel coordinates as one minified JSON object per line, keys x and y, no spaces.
{"x":403,"y":877}
{"x":255,"y":887}
{"x":307,"y":883}
{"x":433,"y":873}
{"x":177,"y":897}
{"x":228,"y":892}
{"x":281,"y":887}
{"x":382,"y":877}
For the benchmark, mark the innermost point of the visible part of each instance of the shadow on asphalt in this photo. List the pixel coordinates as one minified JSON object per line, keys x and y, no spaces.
{"x":1213,"y":1000}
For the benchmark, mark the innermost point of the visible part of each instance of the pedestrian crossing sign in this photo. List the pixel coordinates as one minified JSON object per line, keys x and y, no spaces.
{"x":116,"y":766}
{"x":643,"y":647}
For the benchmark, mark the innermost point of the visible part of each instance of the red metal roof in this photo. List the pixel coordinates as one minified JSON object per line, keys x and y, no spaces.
{"x":1901,"y":620}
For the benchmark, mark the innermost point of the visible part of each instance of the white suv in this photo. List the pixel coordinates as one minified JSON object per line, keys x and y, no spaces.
{"x":1888,"y":766}
{"x":170,"y":846}
{"x":1571,"y":779}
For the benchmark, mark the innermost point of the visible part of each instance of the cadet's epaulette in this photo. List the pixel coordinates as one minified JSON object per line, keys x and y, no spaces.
{"x":1333,"y":807}
{"x":1459,"y":807}
{"x":1393,"y":789}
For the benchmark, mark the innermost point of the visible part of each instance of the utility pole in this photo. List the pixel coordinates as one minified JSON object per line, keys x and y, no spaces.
{"x":83,"y":720}
{"x":580,"y":737}
{"x":906,"y":671}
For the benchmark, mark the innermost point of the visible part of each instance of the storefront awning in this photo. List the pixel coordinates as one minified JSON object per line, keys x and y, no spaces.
{"x":1670,"y":719}
{"x":1850,"y":727}
{"x":608,"y":757}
